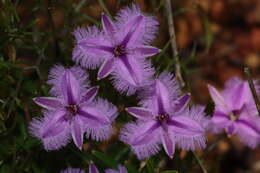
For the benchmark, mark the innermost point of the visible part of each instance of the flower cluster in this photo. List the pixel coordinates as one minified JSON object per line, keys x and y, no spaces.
{"x":165,"y":118}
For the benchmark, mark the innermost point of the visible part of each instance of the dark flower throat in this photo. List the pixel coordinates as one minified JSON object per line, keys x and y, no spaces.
{"x":72,"y":109}
{"x":163,"y":118}
{"x":119,"y":50}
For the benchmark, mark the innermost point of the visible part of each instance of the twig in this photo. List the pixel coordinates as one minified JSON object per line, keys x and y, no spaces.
{"x":50,"y":18}
{"x":252,"y":87}
{"x":173,"y":42}
{"x":199,"y":162}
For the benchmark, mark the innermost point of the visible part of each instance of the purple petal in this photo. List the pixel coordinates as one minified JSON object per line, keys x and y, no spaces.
{"x":231,"y":128}
{"x":92,"y":168}
{"x":108,"y":27}
{"x":143,"y":33}
{"x":70,"y":88}
{"x":141,"y":113}
{"x":97,"y":119}
{"x":248,"y":131}
{"x":77,"y":132}
{"x":185,"y":126}
{"x":55,"y":125}
{"x":162,"y":97}
{"x":52,"y":130}
{"x":49,"y":103}
{"x":182,"y":103}
{"x":72,"y":81}
{"x":128,"y":68}
{"x":144,"y":138}
{"x":218,"y":99}
{"x":106,"y":68}
{"x":92,"y":114}
{"x":132,"y":73}
{"x":73,"y":170}
{"x":220,"y":118}
{"x":189,"y":128}
{"x":237,"y":93}
{"x":86,"y":52}
{"x":122,"y":169}
{"x":111,"y":171}
{"x":168,"y":144}
{"x":91,"y":94}
{"x":133,"y":29}
{"x":147,"y":51}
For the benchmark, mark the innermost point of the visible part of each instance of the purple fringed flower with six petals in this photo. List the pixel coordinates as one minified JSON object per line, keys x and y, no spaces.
{"x":235,"y":111}
{"x":73,"y":112}
{"x":120,"y":49}
{"x":164,"y":119}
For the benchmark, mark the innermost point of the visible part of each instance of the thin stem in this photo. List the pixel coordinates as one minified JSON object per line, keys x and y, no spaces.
{"x":252,"y":87}
{"x":199,"y":162}
{"x":173,"y":42}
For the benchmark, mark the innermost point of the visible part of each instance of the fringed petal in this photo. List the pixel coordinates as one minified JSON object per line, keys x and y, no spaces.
{"x":56,"y":76}
{"x":49,"y":103}
{"x":53,"y":130}
{"x":85,"y":51}
{"x":140,"y":113}
{"x":161,"y":95}
{"x":218,"y":99}
{"x":168,"y":143}
{"x":77,"y":131}
{"x":190,"y":128}
{"x":106,"y":68}
{"x":132,"y":74}
{"x":145,"y":29}
{"x":144,"y":138}
{"x":90,"y":94}
{"x":99,"y":126}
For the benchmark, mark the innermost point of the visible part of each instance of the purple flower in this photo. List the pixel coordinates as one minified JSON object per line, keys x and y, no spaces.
{"x":235,"y":111}
{"x":72,"y":170}
{"x":165,"y":119}
{"x":93,"y":169}
{"x":121,"y":48}
{"x":72,"y":112}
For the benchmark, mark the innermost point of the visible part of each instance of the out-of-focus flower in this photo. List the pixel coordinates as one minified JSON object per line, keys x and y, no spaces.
{"x":72,"y":170}
{"x":165,"y":119}
{"x":93,"y":169}
{"x":235,"y":111}
{"x":72,"y":112}
{"x":121,"y":48}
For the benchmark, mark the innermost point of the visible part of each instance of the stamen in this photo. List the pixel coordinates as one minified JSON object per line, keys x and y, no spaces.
{"x":72,"y":109}
{"x":163,"y":118}
{"x":119,"y":50}
{"x":234,"y":115}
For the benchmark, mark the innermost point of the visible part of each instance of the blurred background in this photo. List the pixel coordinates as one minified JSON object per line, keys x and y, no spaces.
{"x":216,"y":39}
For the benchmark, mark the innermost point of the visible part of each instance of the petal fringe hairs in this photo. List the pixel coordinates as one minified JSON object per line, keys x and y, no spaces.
{"x":165,"y":117}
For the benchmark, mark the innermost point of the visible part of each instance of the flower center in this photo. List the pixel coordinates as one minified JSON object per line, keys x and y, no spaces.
{"x":119,"y":51}
{"x":234,"y":114}
{"x":72,"y":109}
{"x":162,"y":118}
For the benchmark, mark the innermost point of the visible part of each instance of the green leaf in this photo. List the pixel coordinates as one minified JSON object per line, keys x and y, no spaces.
{"x":107,"y":161}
